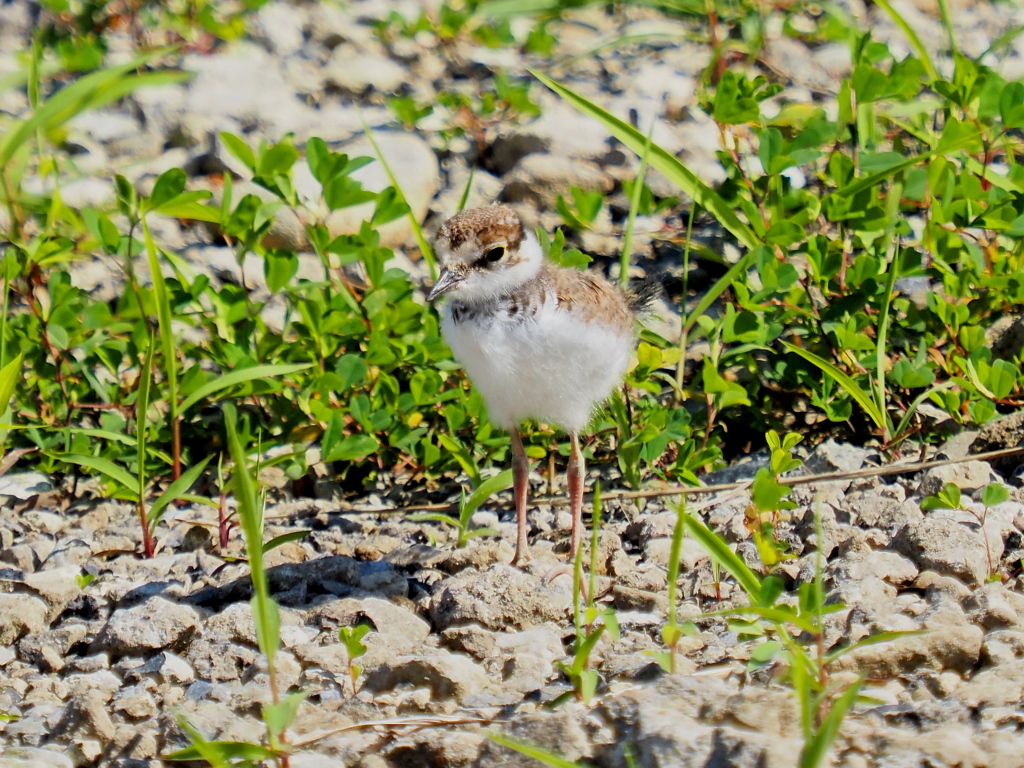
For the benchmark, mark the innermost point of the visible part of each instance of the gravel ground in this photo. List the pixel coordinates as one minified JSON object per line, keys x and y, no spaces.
{"x":96,"y":675}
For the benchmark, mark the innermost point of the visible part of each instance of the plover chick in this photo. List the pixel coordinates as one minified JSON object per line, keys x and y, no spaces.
{"x":538,"y":340}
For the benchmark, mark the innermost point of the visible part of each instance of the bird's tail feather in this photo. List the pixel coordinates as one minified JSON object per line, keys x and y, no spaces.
{"x":644,"y":292}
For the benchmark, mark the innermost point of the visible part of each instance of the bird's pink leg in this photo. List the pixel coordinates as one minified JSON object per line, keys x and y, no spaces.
{"x":575,"y":481}
{"x":520,"y":487}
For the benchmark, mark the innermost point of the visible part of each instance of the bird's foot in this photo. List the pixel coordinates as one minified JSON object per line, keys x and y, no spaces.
{"x":520,"y":559}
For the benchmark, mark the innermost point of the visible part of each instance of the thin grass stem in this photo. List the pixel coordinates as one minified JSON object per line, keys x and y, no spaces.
{"x":634,"y":205}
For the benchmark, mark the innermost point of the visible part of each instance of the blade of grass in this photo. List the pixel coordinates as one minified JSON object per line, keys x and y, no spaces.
{"x":595,"y":538}
{"x":716,"y":290}
{"x":912,"y":408}
{"x":544,"y":756}
{"x":721,"y":552}
{"x":466,"y":190}
{"x":104,"y":466}
{"x":845,"y":381}
{"x":176,"y":490}
{"x":240,"y":377}
{"x":425,"y":249}
{"x":265,"y":614}
{"x":881,"y":358}
{"x":817,"y":747}
{"x":667,"y":163}
{"x":915,"y":41}
{"x":634,"y":204}
{"x":141,"y":427}
{"x":170,"y":352}
{"x":874,"y":179}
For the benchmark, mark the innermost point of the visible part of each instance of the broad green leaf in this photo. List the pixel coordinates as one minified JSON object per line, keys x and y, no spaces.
{"x":352,"y":447}
{"x":993,"y":494}
{"x":281,"y":715}
{"x":169,"y":185}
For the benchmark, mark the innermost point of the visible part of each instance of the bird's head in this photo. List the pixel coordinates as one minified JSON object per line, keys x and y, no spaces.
{"x":485,"y":253}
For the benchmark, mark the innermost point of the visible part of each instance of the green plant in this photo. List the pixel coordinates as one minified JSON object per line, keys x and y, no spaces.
{"x":823,"y":705}
{"x":581,"y":677}
{"x":352,"y":639}
{"x":281,"y":710}
{"x":584,"y":209}
{"x":672,"y":631}
{"x":468,"y":507}
{"x":949,"y":497}
{"x":768,"y":498}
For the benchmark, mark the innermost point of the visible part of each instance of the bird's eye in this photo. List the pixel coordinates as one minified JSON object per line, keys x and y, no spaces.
{"x":495,"y":254}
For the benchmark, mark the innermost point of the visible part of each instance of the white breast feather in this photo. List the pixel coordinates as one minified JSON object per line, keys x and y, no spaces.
{"x":552,"y":367}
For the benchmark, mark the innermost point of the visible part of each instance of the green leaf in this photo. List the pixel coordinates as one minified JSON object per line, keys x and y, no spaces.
{"x":488,"y":488}
{"x":279,"y":267}
{"x":281,"y":715}
{"x":993,"y":494}
{"x":284,"y":538}
{"x":721,"y":552}
{"x":103,"y":229}
{"x":1011,"y":105}
{"x":103,"y":466}
{"x":537,"y":753}
{"x":9,"y":376}
{"x":867,"y":182}
{"x":175,"y":490}
{"x":352,"y":639}
{"x":87,"y":93}
{"x":169,"y":185}
{"x":267,"y":619}
{"x":852,"y":388}
{"x":816,"y":748}
{"x":239,"y":149}
{"x":352,"y":447}
{"x":240,"y":377}
{"x":667,"y":163}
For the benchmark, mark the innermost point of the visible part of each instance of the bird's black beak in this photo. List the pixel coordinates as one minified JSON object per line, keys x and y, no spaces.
{"x":445,"y":282}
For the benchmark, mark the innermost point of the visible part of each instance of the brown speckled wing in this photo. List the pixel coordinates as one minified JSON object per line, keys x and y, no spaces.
{"x":589,"y":296}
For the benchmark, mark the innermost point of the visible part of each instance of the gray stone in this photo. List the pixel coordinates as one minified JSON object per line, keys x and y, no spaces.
{"x":402,"y":629}
{"x":942,"y":544}
{"x":683,"y":721}
{"x":948,"y":647}
{"x":891,"y":567}
{"x":30,"y":757}
{"x":20,"y":615}
{"x":499,"y":598}
{"x":447,"y":675}
{"x":279,"y":27}
{"x":538,"y":179}
{"x":25,"y":485}
{"x":355,"y":72}
{"x":155,"y":625}
{"x":968,"y":477}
